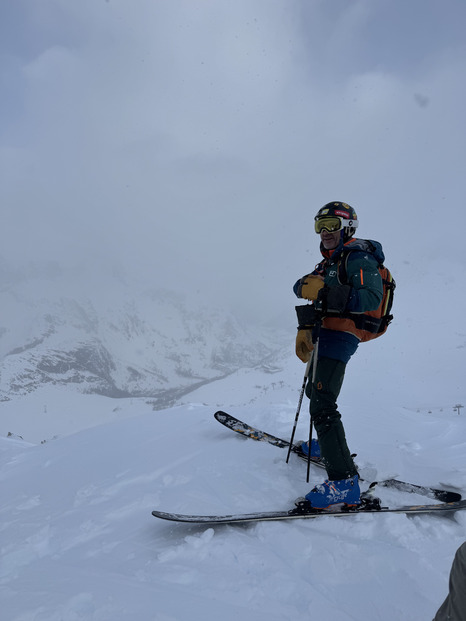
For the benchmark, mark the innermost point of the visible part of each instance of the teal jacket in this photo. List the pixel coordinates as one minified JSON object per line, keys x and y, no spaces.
{"x":355,"y":264}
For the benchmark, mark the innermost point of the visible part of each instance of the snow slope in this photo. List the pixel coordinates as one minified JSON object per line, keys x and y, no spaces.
{"x":78,"y":540}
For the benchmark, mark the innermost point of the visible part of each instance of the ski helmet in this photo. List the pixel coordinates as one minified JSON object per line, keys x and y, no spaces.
{"x":337,"y":216}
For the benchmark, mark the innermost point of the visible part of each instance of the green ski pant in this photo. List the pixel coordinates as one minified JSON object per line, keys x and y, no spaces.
{"x":323,"y":394}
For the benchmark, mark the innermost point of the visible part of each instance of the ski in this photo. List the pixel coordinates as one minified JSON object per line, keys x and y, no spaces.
{"x":262,"y":436}
{"x":299,"y":514}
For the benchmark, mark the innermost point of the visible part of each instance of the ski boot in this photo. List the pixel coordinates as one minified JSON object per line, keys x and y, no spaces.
{"x":315,"y":449}
{"x":343,"y":491}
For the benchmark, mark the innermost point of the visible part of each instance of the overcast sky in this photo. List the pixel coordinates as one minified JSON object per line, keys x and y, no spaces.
{"x":193,"y":141}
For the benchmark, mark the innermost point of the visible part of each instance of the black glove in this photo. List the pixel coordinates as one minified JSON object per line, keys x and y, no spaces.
{"x":308,"y":315}
{"x":334,"y":299}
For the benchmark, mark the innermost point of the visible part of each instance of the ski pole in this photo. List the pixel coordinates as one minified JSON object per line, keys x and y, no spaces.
{"x":303,"y":387}
{"x":316,"y":335}
{"x":315,"y":351}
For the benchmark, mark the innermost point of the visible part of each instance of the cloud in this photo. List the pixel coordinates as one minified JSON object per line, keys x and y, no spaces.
{"x":193,"y":141}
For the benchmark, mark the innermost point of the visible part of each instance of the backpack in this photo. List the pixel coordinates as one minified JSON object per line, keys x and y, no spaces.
{"x":372,"y":323}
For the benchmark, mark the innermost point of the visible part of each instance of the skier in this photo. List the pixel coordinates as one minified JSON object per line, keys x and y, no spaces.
{"x":454,"y":606}
{"x":341,"y":307}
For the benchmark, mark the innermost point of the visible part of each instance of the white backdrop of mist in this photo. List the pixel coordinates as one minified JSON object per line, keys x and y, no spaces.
{"x":189,"y":143}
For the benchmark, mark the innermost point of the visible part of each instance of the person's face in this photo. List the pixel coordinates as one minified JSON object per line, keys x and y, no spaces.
{"x":330,"y":240}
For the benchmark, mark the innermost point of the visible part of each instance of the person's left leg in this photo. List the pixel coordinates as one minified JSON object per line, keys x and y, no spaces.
{"x":342,"y":485}
{"x":327,"y":419}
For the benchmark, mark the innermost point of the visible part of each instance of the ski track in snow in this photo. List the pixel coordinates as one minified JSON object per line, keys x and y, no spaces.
{"x":78,"y":540}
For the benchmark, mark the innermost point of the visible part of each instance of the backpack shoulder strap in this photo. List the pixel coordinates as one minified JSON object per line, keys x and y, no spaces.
{"x":359,"y":245}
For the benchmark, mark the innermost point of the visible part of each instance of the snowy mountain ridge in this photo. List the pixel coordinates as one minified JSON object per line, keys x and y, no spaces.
{"x":120,"y":341}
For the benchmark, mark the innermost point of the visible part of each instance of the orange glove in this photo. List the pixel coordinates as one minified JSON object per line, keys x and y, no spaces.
{"x":311,"y":285}
{"x":304,"y":345}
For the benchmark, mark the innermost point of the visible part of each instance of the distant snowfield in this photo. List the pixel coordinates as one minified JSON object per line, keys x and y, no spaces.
{"x":78,"y":540}
{"x":52,"y":412}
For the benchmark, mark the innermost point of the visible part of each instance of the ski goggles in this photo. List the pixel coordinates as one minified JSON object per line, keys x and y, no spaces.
{"x":332,"y":224}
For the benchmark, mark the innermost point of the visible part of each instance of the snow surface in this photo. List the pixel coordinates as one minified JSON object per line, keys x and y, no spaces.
{"x":78,"y":540}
